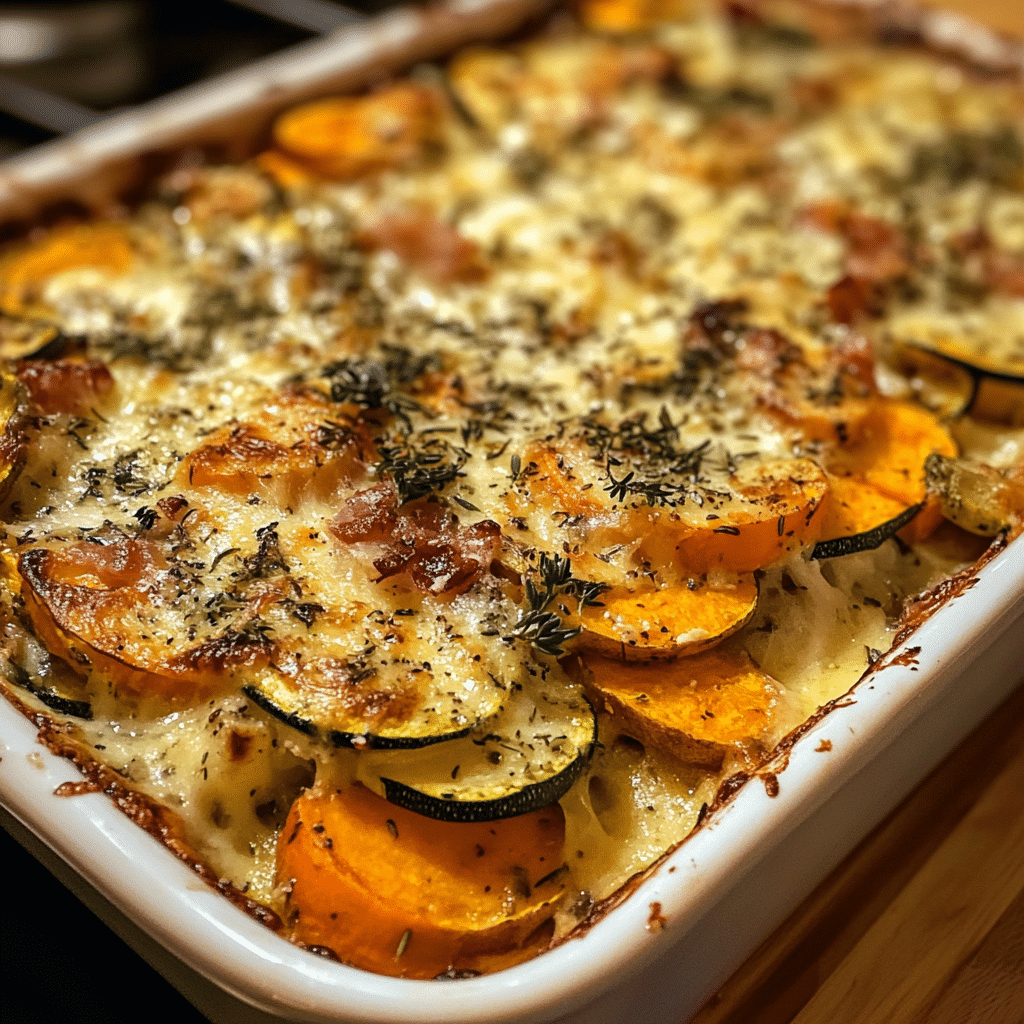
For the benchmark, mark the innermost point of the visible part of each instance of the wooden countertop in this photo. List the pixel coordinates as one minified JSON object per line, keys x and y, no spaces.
{"x":924,"y":922}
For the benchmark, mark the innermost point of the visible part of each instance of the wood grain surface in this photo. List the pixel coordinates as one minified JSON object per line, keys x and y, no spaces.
{"x":924,"y":922}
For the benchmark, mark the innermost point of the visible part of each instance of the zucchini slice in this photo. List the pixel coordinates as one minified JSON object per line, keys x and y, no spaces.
{"x":974,"y":497}
{"x":350,"y":705}
{"x":74,"y":707}
{"x":991,"y":390}
{"x":525,"y":758}
{"x":868,"y":540}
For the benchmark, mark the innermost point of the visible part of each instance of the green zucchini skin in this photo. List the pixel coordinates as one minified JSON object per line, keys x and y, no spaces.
{"x":868,"y":540}
{"x":349,"y":739}
{"x":465,"y":800}
{"x":259,"y":698}
{"x":523,"y":801}
{"x":70,"y":706}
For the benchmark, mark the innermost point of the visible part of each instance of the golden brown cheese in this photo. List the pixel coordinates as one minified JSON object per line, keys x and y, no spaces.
{"x":557,"y":435}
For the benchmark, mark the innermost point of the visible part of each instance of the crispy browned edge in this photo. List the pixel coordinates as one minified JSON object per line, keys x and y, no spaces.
{"x":123,"y":180}
{"x":150,"y":815}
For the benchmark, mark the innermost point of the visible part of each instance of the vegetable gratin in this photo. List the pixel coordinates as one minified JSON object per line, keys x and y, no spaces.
{"x":425,"y":524}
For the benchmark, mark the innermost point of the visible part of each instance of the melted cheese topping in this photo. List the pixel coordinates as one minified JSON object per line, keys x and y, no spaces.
{"x":572,"y":316}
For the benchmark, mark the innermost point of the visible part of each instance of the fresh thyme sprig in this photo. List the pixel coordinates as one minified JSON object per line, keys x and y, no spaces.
{"x":420,"y":468}
{"x":538,"y":624}
{"x":664,"y":472}
{"x":377,"y":385}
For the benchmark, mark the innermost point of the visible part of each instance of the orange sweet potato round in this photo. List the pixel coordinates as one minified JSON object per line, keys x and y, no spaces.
{"x":103,"y":247}
{"x":393,"y":892}
{"x":881,"y":472}
{"x":349,"y":137}
{"x":772,"y":513}
{"x":95,"y":605}
{"x":697,"y":709}
{"x":676,"y":621}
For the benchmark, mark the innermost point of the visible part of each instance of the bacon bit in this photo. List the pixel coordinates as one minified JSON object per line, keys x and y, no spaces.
{"x":172,"y":506}
{"x":368,"y":515}
{"x":428,"y":245}
{"x":79,"y":788}
{"x":66,"y":385}
{"x":851,"y":299}
{"x":771,"y":784}
{"x":854,"y":359}
{"x":823,"y":747}
{"x":765,"y":351}
{"x":878,"y":254}
{"x":439,"y":557}
{"x":878,"y":250}
{"x":656,"y":920}
{"x":422,"y":539}
{"x":986,"y":266}
{"x":709,"y":323}
{"x":1007,"y":274}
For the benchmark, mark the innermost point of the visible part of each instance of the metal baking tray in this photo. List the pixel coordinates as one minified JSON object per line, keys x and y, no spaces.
{"x":670,"y":940}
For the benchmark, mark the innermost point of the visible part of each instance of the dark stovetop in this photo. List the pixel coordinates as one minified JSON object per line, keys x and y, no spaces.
{"x":63,"y":64}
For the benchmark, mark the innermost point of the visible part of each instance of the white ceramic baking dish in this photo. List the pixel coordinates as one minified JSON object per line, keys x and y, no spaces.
{"x":679,"y":934}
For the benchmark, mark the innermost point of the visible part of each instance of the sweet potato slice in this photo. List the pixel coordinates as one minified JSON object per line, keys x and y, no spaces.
{"x":881,"y":473}
{"x":103,"y":247}
{"x":853,"y":507}
{"x":770,"y":512}
{"x":299,"y":446}
{"x":351,"y":137}
{"x":697,"y":709}
{"x":638,"y":625}
{"x":399,"y":894}
{"x":554,"y":482}
{"x":98,"y":606}
{"x":890,"y":450}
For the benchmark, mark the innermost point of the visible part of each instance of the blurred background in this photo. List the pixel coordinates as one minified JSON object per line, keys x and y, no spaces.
{"x":63,"y":64}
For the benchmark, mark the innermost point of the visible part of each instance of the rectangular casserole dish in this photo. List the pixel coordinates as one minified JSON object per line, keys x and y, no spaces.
{"x":716,"y":896}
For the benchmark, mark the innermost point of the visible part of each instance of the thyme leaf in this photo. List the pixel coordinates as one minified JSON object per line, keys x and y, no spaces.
{"x":537,"y":623}
{"x":268,"y":560}
{"x":421,"y":468}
